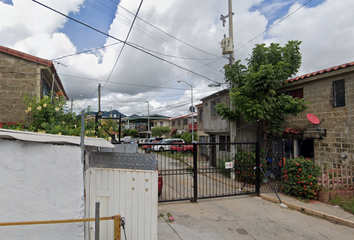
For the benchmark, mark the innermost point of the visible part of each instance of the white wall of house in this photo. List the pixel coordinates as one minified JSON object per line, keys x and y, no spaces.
{"x":40,"y":181}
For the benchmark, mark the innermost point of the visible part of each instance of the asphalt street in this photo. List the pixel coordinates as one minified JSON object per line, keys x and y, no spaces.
{"x":243,"y":217}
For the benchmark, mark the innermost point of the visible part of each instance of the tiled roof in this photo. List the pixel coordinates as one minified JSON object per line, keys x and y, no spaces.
{"x":294,"y":130}
{"x":322,"y":71}
{"x":182,"y":116}
{"x":36,"y":60}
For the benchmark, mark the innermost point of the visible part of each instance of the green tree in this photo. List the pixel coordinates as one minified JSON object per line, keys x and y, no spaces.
{"x":159,"y":131}
{"x":187,"y":137}
{"x":253,"y":92}
{"x":133,"y":132}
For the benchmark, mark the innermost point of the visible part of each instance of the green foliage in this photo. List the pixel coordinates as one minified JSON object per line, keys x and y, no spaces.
{"x":300,"y":178}
{"x":187,"y":137}
{"x":245,"y":163}
{"x":47,"y":116}
{"x":177,"y":136}
{"x":346,"y":204}
{"x":159,"y":131}
{"x":253,"y":92}
{"x":133,"y":132}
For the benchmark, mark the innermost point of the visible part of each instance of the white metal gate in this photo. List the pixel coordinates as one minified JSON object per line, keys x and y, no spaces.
{"x":129,"y":193}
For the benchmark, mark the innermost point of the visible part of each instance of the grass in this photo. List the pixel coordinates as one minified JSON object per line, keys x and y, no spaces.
{"x":346,"y":204}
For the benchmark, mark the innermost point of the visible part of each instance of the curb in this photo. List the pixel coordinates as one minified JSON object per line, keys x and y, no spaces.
{"x":311,"y":212}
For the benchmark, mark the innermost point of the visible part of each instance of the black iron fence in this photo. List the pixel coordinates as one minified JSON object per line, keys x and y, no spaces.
{"x":207,"y":170}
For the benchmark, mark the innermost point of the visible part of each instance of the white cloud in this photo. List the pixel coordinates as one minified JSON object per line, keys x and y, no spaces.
{"x":326,"y":32}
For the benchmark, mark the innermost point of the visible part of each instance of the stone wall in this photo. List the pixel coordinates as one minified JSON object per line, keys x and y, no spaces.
{"x":17,"y":77}
{"x":336,"y":120}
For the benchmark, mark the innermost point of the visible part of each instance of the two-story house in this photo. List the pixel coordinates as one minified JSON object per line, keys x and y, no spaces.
{"x":183,"y":123}
{"x":21,"y":73}
{"x":330,"y":93}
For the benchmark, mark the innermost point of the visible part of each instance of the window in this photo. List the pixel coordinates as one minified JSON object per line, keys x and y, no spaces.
{"x":296,"y":93}
{"x":201,"y":116}
{"x":179,"y":122}
{"x":161,"y":124}
{"x":46,"y":88}
{"x":185,"y":121}
{"x":338,"y":94}
{"x":173,"y":123}
{"x":213,"y":106}
{"x":223,"y":140}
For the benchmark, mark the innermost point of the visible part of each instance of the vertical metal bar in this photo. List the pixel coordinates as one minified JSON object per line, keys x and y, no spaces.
{"x":82,"y":142}
{"x":257,"y":158}
{"x":97,"y":221}
{"x":117,"y":219}
{"x":195,"y":173}
{"x":120,"y":127}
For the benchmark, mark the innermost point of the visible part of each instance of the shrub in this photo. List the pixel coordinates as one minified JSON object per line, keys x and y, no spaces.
{"x":300,"y":178}
{"x":245,"y":163}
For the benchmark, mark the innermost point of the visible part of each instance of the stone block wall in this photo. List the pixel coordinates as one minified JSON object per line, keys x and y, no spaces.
{"x":336,"y":120}
{"x":17,"y":77}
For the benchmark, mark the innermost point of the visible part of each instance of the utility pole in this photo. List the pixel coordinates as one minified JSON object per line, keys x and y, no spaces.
{"x":99,"y":97}
{"x":148,"y":116}
{"x":231,"y":32}
{"x":72,"y":103}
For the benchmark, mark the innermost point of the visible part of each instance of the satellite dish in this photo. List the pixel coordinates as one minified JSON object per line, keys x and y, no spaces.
{"x":313,"y":119}
{"x":192,"y":109}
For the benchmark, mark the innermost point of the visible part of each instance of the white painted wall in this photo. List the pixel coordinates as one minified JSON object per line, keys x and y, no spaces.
{"x":40,"y":181}
{"x":129,"y":193}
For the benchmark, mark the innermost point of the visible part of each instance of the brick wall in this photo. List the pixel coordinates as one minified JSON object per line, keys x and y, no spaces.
{"x":17,"y":76}
{"x":336,"y":120}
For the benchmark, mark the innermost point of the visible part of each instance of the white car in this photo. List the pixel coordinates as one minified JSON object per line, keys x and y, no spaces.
{"x":161,"y":148}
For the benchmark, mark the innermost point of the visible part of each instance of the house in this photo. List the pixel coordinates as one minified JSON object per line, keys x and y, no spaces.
{"x":216,"y":128}
{"x":330,"y":93}
{"x":183,"y":123}
{"x":202,"y":136}
{"x":21,"y":73}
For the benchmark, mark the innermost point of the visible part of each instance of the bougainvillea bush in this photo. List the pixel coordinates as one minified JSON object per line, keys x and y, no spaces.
{"x":300,"y":178}
{"x":52,"y":116}
{"x":245,"y":163}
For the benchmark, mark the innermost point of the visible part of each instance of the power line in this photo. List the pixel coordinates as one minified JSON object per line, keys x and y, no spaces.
{"x":122,"y":41}
{"x":121,"y":50}
{"x":164,"y":31}
{"x":273,"y":25}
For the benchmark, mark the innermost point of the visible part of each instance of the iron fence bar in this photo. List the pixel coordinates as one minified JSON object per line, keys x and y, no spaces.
{"x":97,"y":221}
{"x":195,"y":173}
{"x":257,"y":159}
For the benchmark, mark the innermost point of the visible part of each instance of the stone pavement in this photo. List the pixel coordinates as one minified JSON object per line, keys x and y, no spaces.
{"x":249,"y":217}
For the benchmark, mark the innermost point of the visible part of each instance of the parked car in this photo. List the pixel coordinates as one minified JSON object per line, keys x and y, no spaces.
{"x":142,"y":140}
{"x":150,"y":141}
{"x":168,"y":142}
{"x":187,"y":149}
{"x":176,"y":147}
{"x":127,"y":139}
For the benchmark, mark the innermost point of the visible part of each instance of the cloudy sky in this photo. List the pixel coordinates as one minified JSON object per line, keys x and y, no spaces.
{"x":170,"y":41}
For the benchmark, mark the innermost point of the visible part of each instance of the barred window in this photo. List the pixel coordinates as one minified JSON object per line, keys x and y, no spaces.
{"x":185,"y":121}
{"x":213,"y":106}
{"x":337,"y":98}
{"x":173,"y":123}
{"x":178,"y":122}
{"x":201,"y":116}
{"x":223,"y":140}
{"x":296,"y":93}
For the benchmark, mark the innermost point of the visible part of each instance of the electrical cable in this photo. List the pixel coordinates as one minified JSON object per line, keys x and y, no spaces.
{"x":273,"y":25}
{"x":86,"y":25}
{"x":126,"y":38}
{"x":164,"y":31}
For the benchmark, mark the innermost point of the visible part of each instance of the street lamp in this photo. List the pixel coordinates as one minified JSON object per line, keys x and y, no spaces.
{"x":216,"y":84}
{"x":192,"y":107}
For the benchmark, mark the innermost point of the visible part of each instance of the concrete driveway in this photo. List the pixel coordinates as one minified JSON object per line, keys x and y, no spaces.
{"x":243,"y":217}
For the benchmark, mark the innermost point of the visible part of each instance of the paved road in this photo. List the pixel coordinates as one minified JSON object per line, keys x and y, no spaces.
{"x":243,"y":217}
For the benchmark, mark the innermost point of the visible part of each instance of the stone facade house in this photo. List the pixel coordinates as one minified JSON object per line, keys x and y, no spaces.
{"x":21,"y":73}
{"x":330,"y":93}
